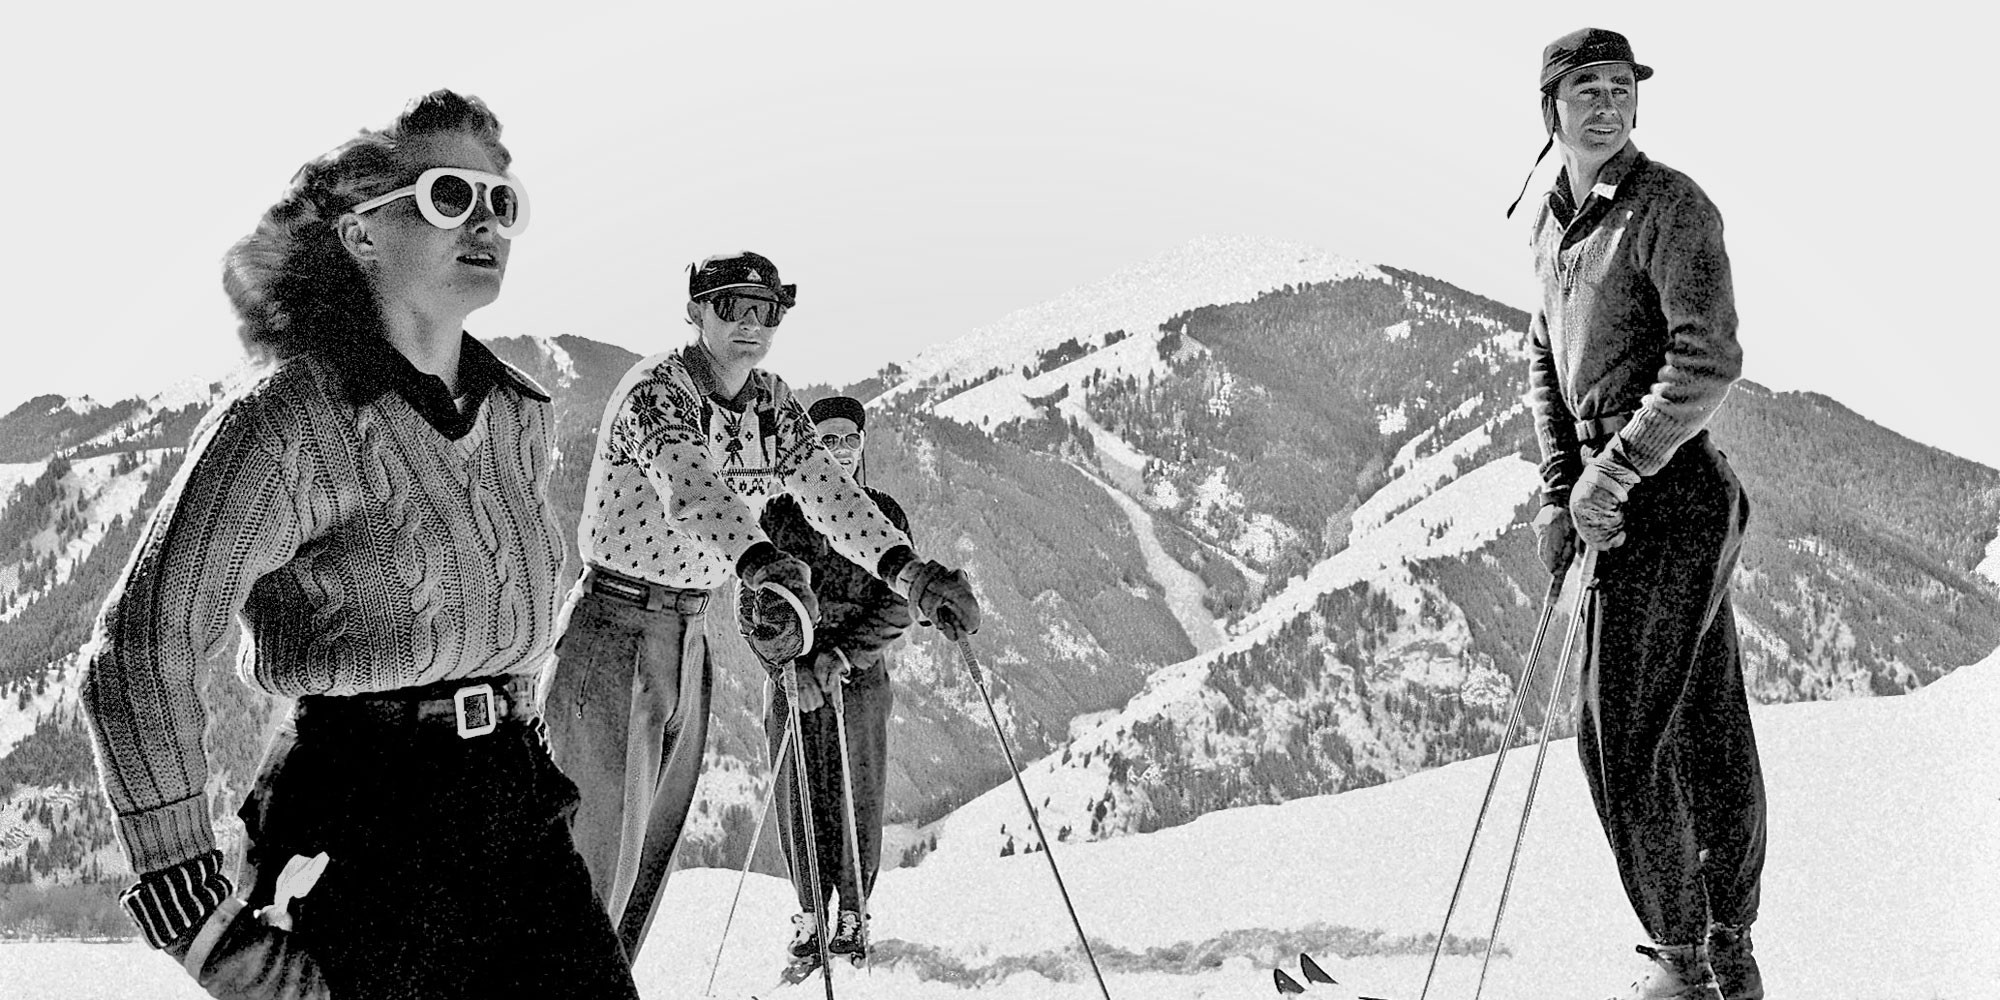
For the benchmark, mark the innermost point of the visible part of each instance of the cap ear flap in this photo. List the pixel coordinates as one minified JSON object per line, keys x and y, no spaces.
{"x":1551,"y":122}
{"x":791,"y":295}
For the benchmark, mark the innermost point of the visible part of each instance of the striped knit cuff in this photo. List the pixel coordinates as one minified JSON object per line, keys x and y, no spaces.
{"x":168,"y":903}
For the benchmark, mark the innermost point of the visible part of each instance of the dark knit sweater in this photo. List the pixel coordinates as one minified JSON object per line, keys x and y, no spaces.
{"x":859,"y":614}
{"x":361,"y":549}
{"x":1637,"y":316}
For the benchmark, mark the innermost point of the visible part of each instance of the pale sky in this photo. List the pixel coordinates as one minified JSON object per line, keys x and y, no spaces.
{"x":920,"y":170}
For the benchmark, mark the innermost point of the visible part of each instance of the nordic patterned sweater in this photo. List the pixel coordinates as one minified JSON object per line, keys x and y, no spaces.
{"x":678,"y":478}
{"x":362,"y":548}
{"x":1638,"y":316}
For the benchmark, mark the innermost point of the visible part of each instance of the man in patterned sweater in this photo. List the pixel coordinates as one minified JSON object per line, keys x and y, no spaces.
{"x":692,"y":444}
{"x":860,"y":618}
{"x":1631,"y":353}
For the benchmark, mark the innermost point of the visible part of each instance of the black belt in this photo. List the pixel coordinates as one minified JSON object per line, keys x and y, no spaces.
{"x":474,"y":706}
{"x":1593,"y":431}
{"x":644,"y":593}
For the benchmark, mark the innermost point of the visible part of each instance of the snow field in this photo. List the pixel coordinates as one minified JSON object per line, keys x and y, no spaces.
{"x":1882,"y":884}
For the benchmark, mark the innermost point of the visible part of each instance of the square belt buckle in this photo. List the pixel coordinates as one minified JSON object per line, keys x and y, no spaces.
{"x":477,"y":710}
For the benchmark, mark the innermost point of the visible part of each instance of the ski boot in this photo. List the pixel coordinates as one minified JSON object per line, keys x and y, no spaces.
{"x":805,"y":936}
{"x":799,"y":969}
{"x":1729,"y":955}
{"x":1680,"y":972}
{"x":850,"y":936}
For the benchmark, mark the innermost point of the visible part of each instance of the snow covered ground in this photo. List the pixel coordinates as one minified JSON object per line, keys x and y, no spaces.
{"x":1882,"y":884}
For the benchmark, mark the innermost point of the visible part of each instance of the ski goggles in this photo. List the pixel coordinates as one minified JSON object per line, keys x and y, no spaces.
{"x":445,"y":197}
{"x":734,"y":307}
{"x":851,"y":439}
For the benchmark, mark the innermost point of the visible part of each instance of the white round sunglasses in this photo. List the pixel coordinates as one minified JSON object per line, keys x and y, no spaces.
{"x":445,"y":196}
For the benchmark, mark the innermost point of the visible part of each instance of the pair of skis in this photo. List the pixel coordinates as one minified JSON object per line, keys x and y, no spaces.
{"x":1313,"y":974}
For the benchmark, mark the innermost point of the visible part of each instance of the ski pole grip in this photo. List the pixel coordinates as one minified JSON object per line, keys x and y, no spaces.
{"x":971,"y":659}
{"x":948,"y":623}
{"x":799,"y":608}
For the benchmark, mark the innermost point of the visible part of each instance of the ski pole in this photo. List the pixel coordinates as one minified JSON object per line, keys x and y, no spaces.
{"x":756,"y":837}
{"x":847,"y":791}
{"x":789,"y":678}
{"x":1493,"y":781}
{"x":972,"y":666}
{"x":811,"y":846}
{"x":1586,"y":585}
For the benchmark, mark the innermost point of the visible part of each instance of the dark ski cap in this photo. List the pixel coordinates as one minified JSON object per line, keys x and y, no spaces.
{"x":1587,"y":47}
{"x":741,"y":269}
{"x":839,"y":406}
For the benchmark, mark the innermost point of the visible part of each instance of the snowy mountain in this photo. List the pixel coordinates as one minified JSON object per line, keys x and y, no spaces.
{"x":1248,"y":521}
{"x":1881,"y":885}
{"x":1346,"y":467}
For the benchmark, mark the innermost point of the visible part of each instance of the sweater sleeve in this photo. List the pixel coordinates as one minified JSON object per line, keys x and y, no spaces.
{"x":1684,"y":256}
{"x":662,"y":426}
{"x":227,"y":519}
{"x":834,"y":506}
{"x":1555,"y":425}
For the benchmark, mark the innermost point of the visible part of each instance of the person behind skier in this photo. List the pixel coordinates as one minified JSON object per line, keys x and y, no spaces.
{"x":373,"y":507}
{"x":1633,"y":349}
{"x":692,"y":444}
{"x":859,"y":617}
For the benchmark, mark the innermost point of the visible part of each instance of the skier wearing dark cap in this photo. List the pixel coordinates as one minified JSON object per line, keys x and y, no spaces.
{"x":859,"y":617}
{"x":692,"y":444}
{"x":1633,"y":349}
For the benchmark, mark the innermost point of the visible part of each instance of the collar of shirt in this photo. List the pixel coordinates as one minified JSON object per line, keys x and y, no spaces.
{"x":701,"y":367}
{"x":1609,"y":178}
{"x":373,"y":366}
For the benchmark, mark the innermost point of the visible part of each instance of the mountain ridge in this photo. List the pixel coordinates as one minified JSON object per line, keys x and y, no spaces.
{"x":1339,"y":467}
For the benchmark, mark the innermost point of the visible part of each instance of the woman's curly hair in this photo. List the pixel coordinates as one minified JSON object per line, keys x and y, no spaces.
{"x":292,"y":284}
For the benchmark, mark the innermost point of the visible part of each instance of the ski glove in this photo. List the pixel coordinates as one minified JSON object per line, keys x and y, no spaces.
{"x":808,"y":682}
{"x":1555,"y":535}
{"x":763,"y":564}
{"x":1597,"y":501}
{"x":236,"y":956}
{"x":941,"y":595}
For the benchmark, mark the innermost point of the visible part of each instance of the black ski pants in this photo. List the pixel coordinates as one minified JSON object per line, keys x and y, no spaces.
{"x":450,"y":871}
{"x":1663,"y":723}
{"x":868,"y":699}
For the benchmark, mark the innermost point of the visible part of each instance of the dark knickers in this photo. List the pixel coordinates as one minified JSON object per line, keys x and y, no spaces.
{"x":1663,"y":722}
{"x":450,"y":871}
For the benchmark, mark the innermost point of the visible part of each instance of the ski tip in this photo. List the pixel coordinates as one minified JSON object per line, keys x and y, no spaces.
{"x":1285,"y":983}
{"x":1313,"y":972}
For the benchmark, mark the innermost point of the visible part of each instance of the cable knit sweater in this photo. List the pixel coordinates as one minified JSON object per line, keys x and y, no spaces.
{"x":362,"y":549}
{"x":678,"y":478}
{"x":1638,"y":316}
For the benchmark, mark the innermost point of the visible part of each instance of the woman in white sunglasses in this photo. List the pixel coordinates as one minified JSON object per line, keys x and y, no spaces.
{"x":372,"y":506}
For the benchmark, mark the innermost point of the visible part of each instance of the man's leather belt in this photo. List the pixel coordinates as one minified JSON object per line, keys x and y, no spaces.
{"x":644,"y":593}
{"x":1593,"y":431}
{"x":473,"y":706}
